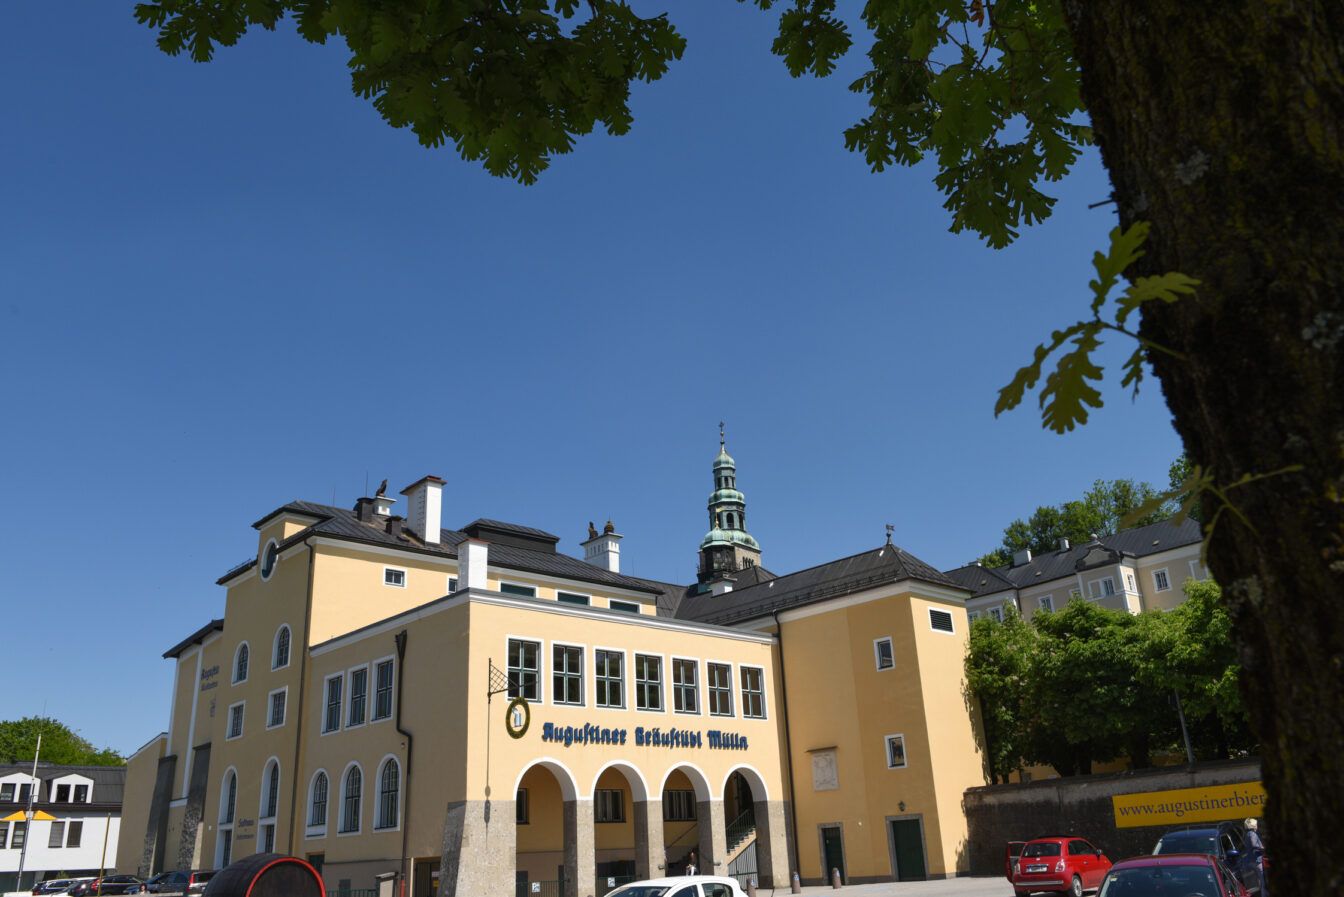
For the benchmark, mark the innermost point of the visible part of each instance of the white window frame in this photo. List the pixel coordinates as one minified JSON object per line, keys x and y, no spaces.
{"x":275,"y":647}
{"x":625,"y":679}
{"x":311,"y":831}
{"x":270,"y":696}
{"x":1165,"y":573}
{"x":359,"y":817}
{"x":242,"y":721}
{"x":972,"y":615}
{"x":1096,"y":591}
{"x":326,"y":700}
{"x":626,"y":607}
{"x":233,"y":672}
{"x":348,"y":697}
{"x":1129,"y":583}
{"x":556,"y":697}
{"x":1075,"y":593}
{"x":263,"y":822}
{"x":517,"y":585}
{"x":373,"y":689}
{"x":877,"y":653}
{"x":587,"y":599}
{"x":742,"y":689}
{"x":732,"y":698}
{"x":951,"y":619}
{"x":662,"y":681}
{"x":995,"y":613}
{"x":378,"y":794}
{"x":395,"y":585}
{"x":698,"y":687}
{"x":541,"y":664}
{"x":886,"y":750}
{"x":452,"y":583}
{"x":1045,"y":603}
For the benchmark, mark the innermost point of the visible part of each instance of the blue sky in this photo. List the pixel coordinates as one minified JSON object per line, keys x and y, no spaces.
{"x":226,"y":286}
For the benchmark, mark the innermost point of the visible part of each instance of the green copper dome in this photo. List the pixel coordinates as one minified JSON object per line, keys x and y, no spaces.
{"x":718,"y":536}
{"x":724,"y":460}
{"x":726,"y":495}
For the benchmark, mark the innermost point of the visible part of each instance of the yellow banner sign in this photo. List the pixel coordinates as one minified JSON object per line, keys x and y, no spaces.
{"x":1214,"y":803}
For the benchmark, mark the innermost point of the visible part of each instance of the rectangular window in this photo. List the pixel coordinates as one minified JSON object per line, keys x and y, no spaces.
{"x":394,"y":577}
{"x":524,"y":669}
{"x":20,"y":835}
{"x":452,"y":584}
{"x":609,"y":805}
{"x":610,"y":678}
{"x":7,"y":793}
{"x":685,"y":686}
{"x":628,"y":607}
{"x":973,"y":615}
{"x":267,"y":838}
{"x":57,"y":836}
{"x":895,"y":752}
{"x":359,"y":696}
{"x":1160,"y":580}
{"x":567,"y":674}
{"x":883,"y":654}
{"x":382,"y":701}
{"x":1129,"y":582}
{"x":62,"y":794}
{"x":74,"y":833}
{"x":81,"y":794}
{"x":1075,"y":593}
{"x":509,"y":588}
{"x":720,"y":676}
{"x":236,"y":721}
{"x":520,"y":807}
{"x":4,"y":834}
{"x":572,"y":598}
{"x":277,"y":717}
{"x":648,"y":682}
{"x":679,"y":805}
{"x":1197,"y":570}
{"x":24,"y":791}
{"x":226,"y":847}
{"x":753,"y":692}
{"x":941,"y":620}
{"x":1046,"y":602}
{"x":331,"y":721}
{"x":996,"y":614}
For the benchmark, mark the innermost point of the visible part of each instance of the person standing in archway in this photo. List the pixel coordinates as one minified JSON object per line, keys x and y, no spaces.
{"x":691,"y":866}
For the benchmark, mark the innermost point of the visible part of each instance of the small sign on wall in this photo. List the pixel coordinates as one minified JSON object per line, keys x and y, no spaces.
{"x":536,"y":887}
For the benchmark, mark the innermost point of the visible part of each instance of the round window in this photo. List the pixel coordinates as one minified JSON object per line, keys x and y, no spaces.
{"x":269,"y":555}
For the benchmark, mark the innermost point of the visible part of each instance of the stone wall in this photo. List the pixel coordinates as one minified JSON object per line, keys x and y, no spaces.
{"x":1080,"y":805}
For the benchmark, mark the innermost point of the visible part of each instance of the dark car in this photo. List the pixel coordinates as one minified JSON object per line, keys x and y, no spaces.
{"x":109,"y":884}
{"x":168,"y":883}
{"x":1177,"y":875}
{"x":53,"y":886}
{"x":1223,"y":840}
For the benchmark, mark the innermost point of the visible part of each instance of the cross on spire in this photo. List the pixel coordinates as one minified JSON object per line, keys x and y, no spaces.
{"x":721,"y":439}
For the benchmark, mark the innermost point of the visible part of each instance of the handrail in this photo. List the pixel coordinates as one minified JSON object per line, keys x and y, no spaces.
{"x":739,"y":827}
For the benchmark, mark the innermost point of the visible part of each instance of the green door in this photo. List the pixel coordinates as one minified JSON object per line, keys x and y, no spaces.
{"x":833,"y":852}
{"x":908,"y":847}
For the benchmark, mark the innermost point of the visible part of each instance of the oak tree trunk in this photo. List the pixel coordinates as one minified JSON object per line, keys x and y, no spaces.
{"x":1222,"y":123}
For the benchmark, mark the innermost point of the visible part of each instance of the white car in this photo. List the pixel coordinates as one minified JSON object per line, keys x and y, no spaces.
{"x":681,"y":886}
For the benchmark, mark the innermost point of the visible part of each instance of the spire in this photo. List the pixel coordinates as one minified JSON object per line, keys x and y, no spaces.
{"x":727,"y":547}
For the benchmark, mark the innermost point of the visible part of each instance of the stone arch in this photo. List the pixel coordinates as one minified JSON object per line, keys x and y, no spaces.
{"x":639,"y":788}
{"x":569,"y":785}
{"x":753,"y":777}
{"x":767,"y":835}
{"x":696,"y":775}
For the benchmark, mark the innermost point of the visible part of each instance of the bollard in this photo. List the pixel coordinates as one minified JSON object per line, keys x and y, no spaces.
{"x":751,"y":887}
{"x":835,"y":879}
{"x":796,"y":887}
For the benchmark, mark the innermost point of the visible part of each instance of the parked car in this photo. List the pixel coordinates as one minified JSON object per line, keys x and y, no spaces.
{"x":1011,"y":852}
{"x":176,"y":882}
{"x":681,"y":886}
{"x":1223,"y":840}
{"x":1065,"y":865}
{"x":1183,"y":874}
{"x":196,"y":880}
{"x":53,"y":886}
{"x":109,"y":884}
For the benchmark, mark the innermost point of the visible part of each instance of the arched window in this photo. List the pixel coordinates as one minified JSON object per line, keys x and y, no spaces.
{"x":389,"y":784}
{"x":240,"y":664}
{"x":281,"y":656}
{"x":350,"y":792}
{"x":270,"y":801}
{"x":228,"y":802}
{"x":317,"y":804}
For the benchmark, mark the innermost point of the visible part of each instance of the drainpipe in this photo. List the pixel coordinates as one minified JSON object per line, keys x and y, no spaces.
{"x":294,"y":808}
{"x":788,"y":746}
{"x":406,"y":789}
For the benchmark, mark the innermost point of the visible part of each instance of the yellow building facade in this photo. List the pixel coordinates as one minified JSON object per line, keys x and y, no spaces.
{"x":474,"y":712}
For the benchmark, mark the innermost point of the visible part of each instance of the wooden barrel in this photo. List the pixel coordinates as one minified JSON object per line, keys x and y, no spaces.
{"x":266,"y":875}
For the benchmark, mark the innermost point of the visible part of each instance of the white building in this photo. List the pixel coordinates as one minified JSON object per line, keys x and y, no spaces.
{"x":86,"y":804}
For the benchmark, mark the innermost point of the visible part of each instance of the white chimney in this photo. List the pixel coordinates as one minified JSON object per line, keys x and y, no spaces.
{"x":603,"y":549}
{"x":472,"y":557}
{"x":1021,"y":557}
{"x":721,"y":586}
{"x":424,"y":514}
{"x":382,"y":505}
{"x":1063,"y":544}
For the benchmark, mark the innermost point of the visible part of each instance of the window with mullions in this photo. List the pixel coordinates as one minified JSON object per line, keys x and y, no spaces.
{"x":359,"y":695}
{"x":235,"y":721}
{"x":21,"y":835}
{"x":317,"y":808}
{"x":81,"y":794}
{"x":685,"y":686}
{"x":389,"y":790}
{"x":280,"y":658}
{"x":74,"y":833}
{"x":382,"y":701}
{"x":648,"y":682}
{"x":277,"y":717}
{"x":883,"y":654}
{"x":720,"y":676}
{"x":608,"y":805}
{"x":679,"y":805}
{"x":524,"y":669}
{"x":354,"y":782}
{"x":272,"y":796}
{"x":753,"y":692}
{"x":56,"y":838}
{"x":610,"y":678}
{"x":331,"y":721}
{"x":567,"y":674}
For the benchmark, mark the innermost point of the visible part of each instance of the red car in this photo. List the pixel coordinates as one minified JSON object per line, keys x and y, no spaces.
{"x":1185,"y":874}
{"x":1063,"y":865}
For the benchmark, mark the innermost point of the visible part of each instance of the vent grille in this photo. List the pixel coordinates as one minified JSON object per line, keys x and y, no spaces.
{"x":940,"y":620}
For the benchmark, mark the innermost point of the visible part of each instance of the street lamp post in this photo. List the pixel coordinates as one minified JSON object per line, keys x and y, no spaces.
{"x":28,"y":814}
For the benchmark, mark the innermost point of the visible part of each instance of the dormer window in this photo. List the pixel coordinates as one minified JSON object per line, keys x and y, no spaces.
{"x":270,"y":555}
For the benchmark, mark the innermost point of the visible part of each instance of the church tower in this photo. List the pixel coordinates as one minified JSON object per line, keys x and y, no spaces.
{"x":727,"y":547}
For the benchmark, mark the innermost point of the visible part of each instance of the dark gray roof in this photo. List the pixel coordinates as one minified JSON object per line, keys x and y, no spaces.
{"x":340,"y":523}
{"x":109,"y":782}
{"x":868,"y":570}
{"x":1138,"y":542}
{"x":980,"y":580}
{"x":195,"y":638}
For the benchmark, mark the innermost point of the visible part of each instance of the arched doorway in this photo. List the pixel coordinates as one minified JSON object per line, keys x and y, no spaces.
{"x":754,"y":839}
{"x":544,"y":802}
{"x":686,"y":802}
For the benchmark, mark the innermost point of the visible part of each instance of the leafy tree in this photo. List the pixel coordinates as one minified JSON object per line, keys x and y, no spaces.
{"x":1217,"y":123}
{"x":1179,"y":476}
{"x":60,"y":744}
{"x":997,"y":679}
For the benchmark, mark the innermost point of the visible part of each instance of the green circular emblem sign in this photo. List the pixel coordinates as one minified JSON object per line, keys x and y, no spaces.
{"x":517,"y":717}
